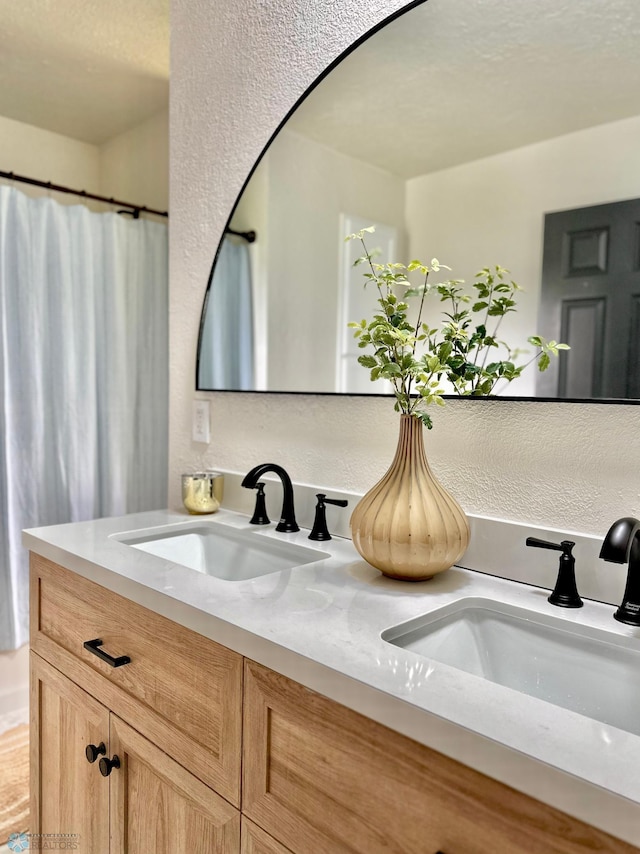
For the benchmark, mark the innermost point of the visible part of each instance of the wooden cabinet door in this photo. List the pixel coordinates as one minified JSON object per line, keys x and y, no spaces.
{"x":68,"y":794}
{"x":256,"y":841}
{"x":158,"y":806}
{"x":324,"y":780}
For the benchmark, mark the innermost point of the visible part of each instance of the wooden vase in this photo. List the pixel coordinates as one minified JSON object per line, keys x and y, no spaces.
{"x":407,"y":525}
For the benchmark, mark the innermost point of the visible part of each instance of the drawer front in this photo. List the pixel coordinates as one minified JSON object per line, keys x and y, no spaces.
{"x":325,"y":780}
{"x":180,"y":689}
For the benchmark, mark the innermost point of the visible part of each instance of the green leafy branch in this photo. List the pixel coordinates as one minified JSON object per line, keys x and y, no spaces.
{"x":416,"y":358}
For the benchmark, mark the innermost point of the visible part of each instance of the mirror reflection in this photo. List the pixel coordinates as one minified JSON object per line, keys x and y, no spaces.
{"x":461,"y":131}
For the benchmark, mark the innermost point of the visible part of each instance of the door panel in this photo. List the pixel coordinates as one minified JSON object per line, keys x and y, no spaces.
{"x":158,"y":806}
{"x":583,"y":326}
{"x":590,"y":285}
{"x":68,"y":795}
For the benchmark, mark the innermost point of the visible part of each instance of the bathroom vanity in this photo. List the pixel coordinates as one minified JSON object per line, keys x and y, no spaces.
{"x":176,"y":711}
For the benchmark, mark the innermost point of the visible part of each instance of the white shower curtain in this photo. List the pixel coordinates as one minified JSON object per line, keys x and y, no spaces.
{"x":83,"y":376}
{"x":225,"y":360}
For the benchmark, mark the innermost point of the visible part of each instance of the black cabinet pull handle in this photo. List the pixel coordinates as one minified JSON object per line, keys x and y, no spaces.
{"x":107,"y":765}
{"x":92,"y":751}
{"x":94,"y":647}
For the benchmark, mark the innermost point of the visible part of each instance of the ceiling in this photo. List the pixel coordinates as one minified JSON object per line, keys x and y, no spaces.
{"x":88,"y":69}
{"x":448,"y":82}
{"x":456,"y":80}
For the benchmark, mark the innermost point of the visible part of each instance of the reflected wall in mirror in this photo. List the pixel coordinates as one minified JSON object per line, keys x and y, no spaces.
{"x":455,"y":129}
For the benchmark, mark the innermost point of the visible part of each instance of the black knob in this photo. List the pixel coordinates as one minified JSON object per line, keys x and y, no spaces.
{"x":92,"y":751}
{"x":107,"y":765}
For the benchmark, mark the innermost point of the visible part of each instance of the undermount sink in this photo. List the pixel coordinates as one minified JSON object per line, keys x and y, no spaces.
{"x":222,"y":551}
{"x":577,"y":667}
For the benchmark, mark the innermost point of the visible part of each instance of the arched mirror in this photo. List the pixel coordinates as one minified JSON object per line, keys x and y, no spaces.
{"x":479,"y":133}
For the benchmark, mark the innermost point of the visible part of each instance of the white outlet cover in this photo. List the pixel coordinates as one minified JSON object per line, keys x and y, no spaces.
{"x":201,"y":429}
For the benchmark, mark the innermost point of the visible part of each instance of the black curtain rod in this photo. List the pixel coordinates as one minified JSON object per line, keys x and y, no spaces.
{"x":136,"y":210}
{"x":249,"y":236}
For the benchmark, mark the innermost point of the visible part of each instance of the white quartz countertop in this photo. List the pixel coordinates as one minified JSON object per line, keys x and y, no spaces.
{"x":321,"y":625}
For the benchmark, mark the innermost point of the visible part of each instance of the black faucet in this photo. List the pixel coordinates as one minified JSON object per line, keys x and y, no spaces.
{"x":622,"y":545}
{"x":565,"y":593}
{"x":287,"y":521}
{"x":320,"y":530}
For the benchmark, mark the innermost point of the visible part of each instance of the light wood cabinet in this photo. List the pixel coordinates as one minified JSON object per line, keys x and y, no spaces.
{"x":171,"y":713}
{"x":185,"y":715}
{"x":325,"y":780}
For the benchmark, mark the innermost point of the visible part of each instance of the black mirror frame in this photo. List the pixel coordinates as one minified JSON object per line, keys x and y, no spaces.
{"x":449,"y":397}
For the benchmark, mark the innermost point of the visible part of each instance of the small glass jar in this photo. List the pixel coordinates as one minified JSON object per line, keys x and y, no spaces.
{"x":202,"y":491}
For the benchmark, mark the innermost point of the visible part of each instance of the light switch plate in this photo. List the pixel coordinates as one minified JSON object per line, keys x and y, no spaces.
{"x":201,"y":429}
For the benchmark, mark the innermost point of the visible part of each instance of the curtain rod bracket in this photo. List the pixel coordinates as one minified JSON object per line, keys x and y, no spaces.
{"x":249,"y":236}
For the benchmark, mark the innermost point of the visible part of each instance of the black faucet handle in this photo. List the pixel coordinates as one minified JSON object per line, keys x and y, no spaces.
{"x":565,"y":546}
{"x":320,"y":530}
{"x":260,"y":512}
{"x":339,"y":502}
{"x":565,"y":593}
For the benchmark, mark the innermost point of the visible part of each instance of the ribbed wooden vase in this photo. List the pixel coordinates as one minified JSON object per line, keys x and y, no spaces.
{"x":407,"y":525}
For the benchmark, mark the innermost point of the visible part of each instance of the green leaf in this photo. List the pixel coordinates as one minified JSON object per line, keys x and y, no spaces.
{"x":368,"y":361}
{"x":436,"y":265}
{"x":445,"y":350}
{"x":391,"y":369}
{"x":417,"y":265}
{"x":425,"y":419}
{"x":543,"y":362}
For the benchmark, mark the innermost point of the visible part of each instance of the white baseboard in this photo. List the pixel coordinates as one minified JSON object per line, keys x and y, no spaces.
{"x":14,"y":685}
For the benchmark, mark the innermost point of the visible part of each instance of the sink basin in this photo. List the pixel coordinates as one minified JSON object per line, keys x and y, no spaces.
{"x":577,"y":667}
{"x":220,"y":550}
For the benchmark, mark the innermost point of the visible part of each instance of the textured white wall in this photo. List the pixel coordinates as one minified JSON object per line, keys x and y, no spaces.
{"x":236,"y":70}
{"x":134,"y":166}
{"x":36,"y":153}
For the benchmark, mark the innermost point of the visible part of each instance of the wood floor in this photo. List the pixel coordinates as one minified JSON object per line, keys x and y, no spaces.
{"x":14,"y":782}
